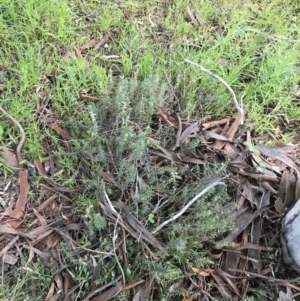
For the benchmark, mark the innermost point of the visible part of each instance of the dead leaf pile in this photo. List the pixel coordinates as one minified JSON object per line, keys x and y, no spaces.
{"x":266,"y":181}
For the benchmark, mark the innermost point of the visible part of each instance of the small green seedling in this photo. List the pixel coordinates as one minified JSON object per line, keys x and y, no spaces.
{"x":151,"y":218}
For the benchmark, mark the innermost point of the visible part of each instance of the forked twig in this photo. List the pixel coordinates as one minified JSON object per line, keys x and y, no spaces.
{"x":187,"y":205}
{"x":22,"y":140}
{"x":220,"y":80}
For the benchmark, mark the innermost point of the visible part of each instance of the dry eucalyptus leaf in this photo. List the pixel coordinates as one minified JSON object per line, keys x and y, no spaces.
{"x":9,"y":157}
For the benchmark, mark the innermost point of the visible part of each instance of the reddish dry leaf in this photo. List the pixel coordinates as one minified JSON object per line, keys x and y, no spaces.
{"x":230,"y":133}
{"x":56,"y":244}
{"x":89,"y":96}
{"x":65,"y":134}
{"x":234,"y":127}
{"x":7,"y":230}
{"x":34,"y":233}
{"x":218,"y":145}
{"x":130,"y":286}
{"x":9,"y":157}
{"x":268,"y":187}
{"x":43,"y":235}
{"x":211,"y":124}
{"x":103,"y":40}
{"x":56,"y":297}
{"x":39,"y":166}
{"x":46,"y":203}
{"x":89,"y":44}
{"x":39,"y":217}
{"x":241,"y":200}
{"x":288,"y":284}
{"x":178,"y":132}
{"x":68,"y":281}
{"x":168,"y":119}
{"x":22,"y":200}
{"x":14,"y":224}
{"x":30,"y":257}
{"x":50,"y":292}
{"x":50,"y":242}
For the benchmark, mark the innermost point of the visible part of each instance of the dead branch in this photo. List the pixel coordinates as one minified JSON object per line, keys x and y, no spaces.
{"x":222,"y":81}
{"x":213,"y":184}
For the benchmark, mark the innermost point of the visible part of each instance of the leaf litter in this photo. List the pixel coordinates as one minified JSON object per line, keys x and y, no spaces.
{"x":266,"y":183}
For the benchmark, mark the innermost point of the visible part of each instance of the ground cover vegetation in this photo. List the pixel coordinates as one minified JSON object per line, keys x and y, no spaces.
{"x":119,"y":138}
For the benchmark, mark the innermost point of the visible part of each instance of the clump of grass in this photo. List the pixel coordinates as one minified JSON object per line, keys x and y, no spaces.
{"x":26,"y":283}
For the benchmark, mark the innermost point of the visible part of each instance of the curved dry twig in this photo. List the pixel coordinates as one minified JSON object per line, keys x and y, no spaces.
{"x":220,"y":80}
{"x":213,"y":184}
{"x":22,"y":140}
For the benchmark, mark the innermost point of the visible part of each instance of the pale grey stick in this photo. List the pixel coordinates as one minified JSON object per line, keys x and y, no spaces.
{"x":220,"y":80}
{"x":187,"y":206}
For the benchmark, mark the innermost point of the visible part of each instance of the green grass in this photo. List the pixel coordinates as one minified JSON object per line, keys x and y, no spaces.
{"x":253,"y":46}
{"x":251,"y":51}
